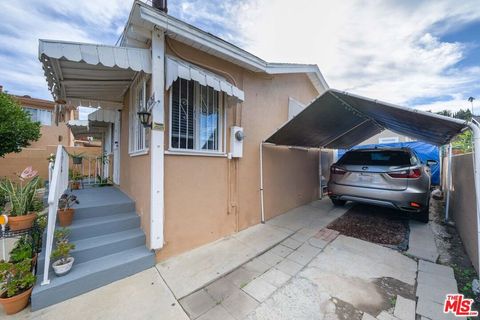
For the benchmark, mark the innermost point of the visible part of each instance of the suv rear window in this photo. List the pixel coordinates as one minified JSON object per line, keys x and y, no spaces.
{"x":377,"y":158}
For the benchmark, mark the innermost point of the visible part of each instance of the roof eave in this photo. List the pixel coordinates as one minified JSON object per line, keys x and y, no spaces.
{"x":218,"y":46}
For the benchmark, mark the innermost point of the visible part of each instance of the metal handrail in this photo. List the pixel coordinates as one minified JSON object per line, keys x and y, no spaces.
{"x":58,"y":185}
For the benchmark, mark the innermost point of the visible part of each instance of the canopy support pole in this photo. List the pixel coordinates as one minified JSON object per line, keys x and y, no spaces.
{"x":448,"y":182}
{"x":320,"y":173}
{"x":476,"y":169}
{"x":262,"y":218}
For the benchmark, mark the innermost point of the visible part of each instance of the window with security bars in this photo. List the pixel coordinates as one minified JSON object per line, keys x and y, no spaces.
{"x":196,"y":117}
{"x":137,"y":132}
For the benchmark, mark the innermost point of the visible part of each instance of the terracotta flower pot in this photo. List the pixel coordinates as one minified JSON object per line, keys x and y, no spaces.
{"x":16,"y":303}
{"x":21,"y":222}
{"x":75,"y":185}
{"x":65,"y":216}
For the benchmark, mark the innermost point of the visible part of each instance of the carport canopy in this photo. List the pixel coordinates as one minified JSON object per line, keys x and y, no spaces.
{"x":338,"y":119}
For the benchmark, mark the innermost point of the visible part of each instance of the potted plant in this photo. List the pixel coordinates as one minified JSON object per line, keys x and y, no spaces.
{"x":51,"y":157}
{"x":76,"y":178}
{"x":23,"y":250}
{"x":103,"y":182}
{"x":21,"y":199}
{"x":65,"y":211}
{"x":16,"y":284}
{"x":63,"y":261}
{"x":77,"y":158}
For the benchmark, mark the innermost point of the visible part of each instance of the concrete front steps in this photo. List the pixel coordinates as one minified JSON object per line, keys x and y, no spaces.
{"x":109,"y":246}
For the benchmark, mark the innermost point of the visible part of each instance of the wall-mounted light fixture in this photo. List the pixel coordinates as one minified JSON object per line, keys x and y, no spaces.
{"x":144,"y":117}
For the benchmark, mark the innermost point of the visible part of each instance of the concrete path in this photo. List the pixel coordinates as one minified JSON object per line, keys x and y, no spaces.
{"x":421,"y":243}
{"x":194,"y":269}
{"x":197,"y":268}
{"x":141,"y":296}
{"x":434,"y":283}
{"x":314,"y":274}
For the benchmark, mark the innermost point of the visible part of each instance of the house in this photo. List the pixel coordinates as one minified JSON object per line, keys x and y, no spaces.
{"x":206,"y":140}
{"x":193,"y":171}
{"x":52,"y":135}
{"x":201,"y":89}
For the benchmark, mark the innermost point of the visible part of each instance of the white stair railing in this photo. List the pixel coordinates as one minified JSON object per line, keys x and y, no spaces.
{"x":58,"y":185}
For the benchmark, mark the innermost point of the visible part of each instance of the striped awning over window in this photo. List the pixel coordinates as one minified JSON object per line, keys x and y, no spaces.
{"x":176,"y":68}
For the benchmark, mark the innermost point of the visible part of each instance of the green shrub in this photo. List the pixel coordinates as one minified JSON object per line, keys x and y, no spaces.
{"x":22,"y":250}
{"x":16,"y":278}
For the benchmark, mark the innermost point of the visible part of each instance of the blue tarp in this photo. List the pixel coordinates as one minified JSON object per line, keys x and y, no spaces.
{"x":425,"y":151}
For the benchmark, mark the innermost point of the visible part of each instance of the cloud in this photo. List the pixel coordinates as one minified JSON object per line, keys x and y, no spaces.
{"x":384,"y":49}
{"x":390,"y":50}
{"x":26,"y":21}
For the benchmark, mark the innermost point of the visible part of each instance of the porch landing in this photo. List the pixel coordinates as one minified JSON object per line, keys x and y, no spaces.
{"x":195,"y":269}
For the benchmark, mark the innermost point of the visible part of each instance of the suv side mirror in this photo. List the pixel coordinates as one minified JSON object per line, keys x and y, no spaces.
{"x":431,"y":162}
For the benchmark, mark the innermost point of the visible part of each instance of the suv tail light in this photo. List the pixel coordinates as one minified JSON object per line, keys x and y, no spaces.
{"x":406,"y":174}
{"x":337,"y":170}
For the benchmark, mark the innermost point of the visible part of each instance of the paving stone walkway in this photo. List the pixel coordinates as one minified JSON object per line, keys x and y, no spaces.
{"x":243,"y":290}
{"x":317,"y":274}
{"x":434,"y":282}
{"x":421,"y":243}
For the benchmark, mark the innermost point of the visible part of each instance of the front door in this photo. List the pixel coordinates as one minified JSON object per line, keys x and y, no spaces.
{"x":107,"y":150}
{"x":116,"y":149}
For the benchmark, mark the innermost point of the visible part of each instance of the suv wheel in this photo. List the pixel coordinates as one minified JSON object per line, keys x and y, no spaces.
{"x":338,"y":202}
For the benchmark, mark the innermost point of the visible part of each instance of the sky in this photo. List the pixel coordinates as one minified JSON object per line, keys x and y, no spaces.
{"x":420,"y":54}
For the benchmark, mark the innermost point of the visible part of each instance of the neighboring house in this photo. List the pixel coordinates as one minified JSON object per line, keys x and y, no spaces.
{"x":193,"y":176}
{"x":43,"y":111}
{"x":387,"y":136}
{"x":52,"y":134}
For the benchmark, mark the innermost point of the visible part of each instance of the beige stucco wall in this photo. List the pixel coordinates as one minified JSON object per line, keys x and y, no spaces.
{"x":37,"y":153}
{"x":207,"y":198}
{"x":14,"y":163}
{"x":463,"y":205}
{"x":134,"y":173}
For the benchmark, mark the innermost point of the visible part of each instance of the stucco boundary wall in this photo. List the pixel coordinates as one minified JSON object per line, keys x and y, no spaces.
{"x":463,"y":204}
{"x":14,"y":163}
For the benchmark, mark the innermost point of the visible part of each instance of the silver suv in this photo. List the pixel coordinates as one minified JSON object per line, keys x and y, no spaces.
{"x":394,"y":178}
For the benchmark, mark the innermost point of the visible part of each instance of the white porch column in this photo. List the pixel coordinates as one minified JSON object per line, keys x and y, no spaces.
{"x":157,"y":140}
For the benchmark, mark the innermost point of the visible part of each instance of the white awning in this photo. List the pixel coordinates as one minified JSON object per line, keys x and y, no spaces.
{"x":180,"y":69}
{"x":102,"y":115}
{"x":90,"y":74}
{"x":85,"y":128}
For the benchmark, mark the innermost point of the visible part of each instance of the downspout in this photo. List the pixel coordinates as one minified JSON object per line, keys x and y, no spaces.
{"x":261,"y":184}
{"x":476,"y":169}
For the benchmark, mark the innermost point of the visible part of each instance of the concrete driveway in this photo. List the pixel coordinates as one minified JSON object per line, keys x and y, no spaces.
{"x":293,"y":267}
{"x":316,"y":273}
